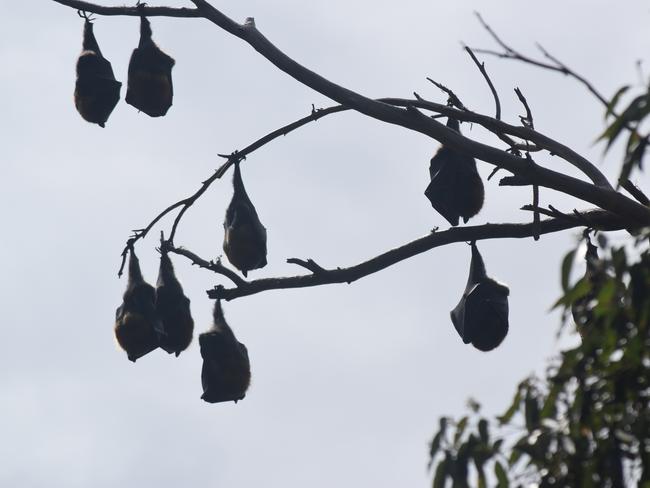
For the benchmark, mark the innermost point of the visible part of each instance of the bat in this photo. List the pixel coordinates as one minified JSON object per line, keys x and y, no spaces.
{"x":138,"y":328}
{"x":96,"y":90}
{"x":456,"y":189}
{"x":481,"y":316}
{"x":173,"y":308}
{"x":226,"y":372}
{"x":244,"y":240}
{"x":149,"y":87}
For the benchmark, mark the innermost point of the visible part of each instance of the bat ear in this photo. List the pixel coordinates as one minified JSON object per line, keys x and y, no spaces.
{"x":481,"y":316}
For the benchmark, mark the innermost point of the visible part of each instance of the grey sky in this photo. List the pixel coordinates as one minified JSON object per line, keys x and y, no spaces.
{"x":348,"y":381}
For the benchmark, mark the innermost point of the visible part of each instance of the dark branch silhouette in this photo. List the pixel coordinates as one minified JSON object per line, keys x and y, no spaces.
{"x":615,"y":210}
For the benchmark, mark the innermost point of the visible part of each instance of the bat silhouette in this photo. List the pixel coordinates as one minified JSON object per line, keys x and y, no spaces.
{"x":244,"y":240}
{"x":138,"y":328}
{"x":96,"y":90}
{"x":456,"y":189}
{"x":481,"y":316}
{"x":149,"y":87}
{"x":173,"y":308}
{"x":226,"y":371}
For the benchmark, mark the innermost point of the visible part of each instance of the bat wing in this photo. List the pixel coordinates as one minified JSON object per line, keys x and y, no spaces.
{"x":440,"y":193}
{"x":460,"y":314}
{"x":173,"y":308}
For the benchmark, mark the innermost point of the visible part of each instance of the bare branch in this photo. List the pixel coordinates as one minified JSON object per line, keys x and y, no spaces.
{"x":536,"y":221}
{"x":636,"y":192}
{"x":310,"y":264}
{"x":597,"y":218}
{"x":214,"y":266}
{"x":481,"y":67}
{"x":453,"y":99}
{"x":527,"y":121}
{"x":555,"y":65}
{"x":603,"y":197}
{"x":132,"y":11}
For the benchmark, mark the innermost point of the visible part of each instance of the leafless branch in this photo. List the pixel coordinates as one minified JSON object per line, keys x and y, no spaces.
{"x":132,"y":11}
{"x":555,"y":65}
{"x":597,"y":218}
{"x":536,"y":221}
{"x":481,"y":67}
{"x":453,"y":100}
{"x":214,"y":266}
{"x":527,"y":121}
{"x":315,"y":115}
{"x":636,"y":192}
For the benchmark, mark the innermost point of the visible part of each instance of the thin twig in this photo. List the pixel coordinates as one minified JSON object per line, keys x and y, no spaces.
{"x":555,"y":65}
{"x":453,"y":98}
{"x":527,"y":121}
{"x":309,"y":264}
{"x":481,"y":67}
{"x":535,"y":213}
{"x":214,"y":266}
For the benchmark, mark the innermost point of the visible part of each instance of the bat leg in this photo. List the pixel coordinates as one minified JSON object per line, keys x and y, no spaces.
{"x":178,"y":353}
{"x":245,"y":273}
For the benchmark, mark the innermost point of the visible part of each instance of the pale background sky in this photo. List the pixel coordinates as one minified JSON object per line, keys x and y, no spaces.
{"x":348,"y":381}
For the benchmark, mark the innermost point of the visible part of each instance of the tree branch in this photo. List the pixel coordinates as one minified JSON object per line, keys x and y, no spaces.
{"x":214,"y":266}
{"x":510,"y":53}
{"x":596,"y":218}
{"x":412,"y":119}
{"x":132,"y":11}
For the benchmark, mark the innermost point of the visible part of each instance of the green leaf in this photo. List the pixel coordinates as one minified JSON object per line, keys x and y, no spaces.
{"x":483,"y":430}
{"x":460,"y":429}
{"x":440,"y":477}
{"x":502,"y":477}
{"x":482,"y":482}
{"x":614,"y":101}
{"x":516,"y":401}
{"x":531,"y":411}
{"x":435,"y":446}
{"x":567,"y":265}
{"x":633,"y":112}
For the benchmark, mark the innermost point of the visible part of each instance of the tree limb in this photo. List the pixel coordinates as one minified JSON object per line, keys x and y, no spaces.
{"x":596,"y":218}
{"x":131,"y":11}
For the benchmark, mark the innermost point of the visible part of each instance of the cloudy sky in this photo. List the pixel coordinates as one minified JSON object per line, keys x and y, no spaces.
{"x":348,"y":381}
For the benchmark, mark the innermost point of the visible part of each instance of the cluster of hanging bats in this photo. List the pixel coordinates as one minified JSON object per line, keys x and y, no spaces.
{"x":160,"y":317}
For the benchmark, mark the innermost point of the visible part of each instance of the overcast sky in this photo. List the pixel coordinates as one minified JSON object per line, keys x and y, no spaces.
{"x":348,"y":381}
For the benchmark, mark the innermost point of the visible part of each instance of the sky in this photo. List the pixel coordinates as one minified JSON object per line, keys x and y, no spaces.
{"x":348,"y":380}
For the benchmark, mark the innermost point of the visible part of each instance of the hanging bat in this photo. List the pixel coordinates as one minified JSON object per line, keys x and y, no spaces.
{"x":173,"y":308}
{"x":481,"y":316}
{"x":456,"y":189}
{"x":244,"y":240}
{"x":149,"y":87}
{"x":138,"y":328}
{"x":96,"y":91}
{"x":226,"y":371}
